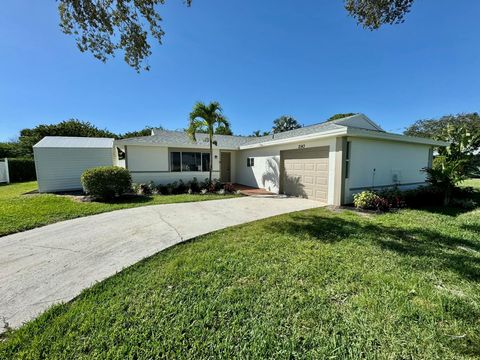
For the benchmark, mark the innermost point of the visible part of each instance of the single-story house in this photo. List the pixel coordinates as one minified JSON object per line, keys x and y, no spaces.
{"x":328,"y":162}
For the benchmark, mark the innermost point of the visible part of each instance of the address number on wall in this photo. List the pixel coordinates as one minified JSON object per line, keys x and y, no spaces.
{"x":301,"y":146}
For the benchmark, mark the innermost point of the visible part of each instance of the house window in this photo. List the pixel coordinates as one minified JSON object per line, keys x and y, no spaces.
{"x":205,"y":162}
{"x":347,"y":160}
{"x":250,"y":162}
{"x":189,"y":161}
{"x":175,"y":161}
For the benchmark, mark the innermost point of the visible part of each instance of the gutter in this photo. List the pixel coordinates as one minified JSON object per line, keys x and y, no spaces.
{"x":296,"y":139}
{"x":344,"y":131}
{"x":169,"y":145}
{"x":394,"y":137}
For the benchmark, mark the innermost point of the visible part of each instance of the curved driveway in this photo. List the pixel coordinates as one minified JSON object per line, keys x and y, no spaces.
{"x":54,"y":263}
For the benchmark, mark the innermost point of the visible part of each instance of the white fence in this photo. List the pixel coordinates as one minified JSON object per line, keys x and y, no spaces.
{"x":4,"y":176}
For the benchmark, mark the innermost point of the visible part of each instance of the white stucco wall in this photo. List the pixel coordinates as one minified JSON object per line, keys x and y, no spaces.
{"x":116,"y":160}
{"x":387,"y":158}
{"x":152,"y":163}
{"x":59,"y":169}
{"x":265,"y":173}
{"x":147,"y":158}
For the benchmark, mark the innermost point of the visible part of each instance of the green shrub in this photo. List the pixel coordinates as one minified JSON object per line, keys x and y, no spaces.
{"x":180,"y":187}
{"x":394,"y":197}
{"x":145,"y":189}
{"x":106,"y":181}
{"x":421,"y":197}
{"x":424,"y":196}
{"x":366,"y":200}
{"x":21,"y":170}
{"x":229,"y":188}
{"x":468,"y":204}
{"x":194,"y":185}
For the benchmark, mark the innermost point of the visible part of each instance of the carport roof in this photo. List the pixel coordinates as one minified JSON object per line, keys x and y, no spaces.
{"x":74,"y":142}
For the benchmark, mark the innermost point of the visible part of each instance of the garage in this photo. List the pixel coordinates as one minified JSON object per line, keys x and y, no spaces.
{"x":60,"y":161}
{"x":305,"y":173}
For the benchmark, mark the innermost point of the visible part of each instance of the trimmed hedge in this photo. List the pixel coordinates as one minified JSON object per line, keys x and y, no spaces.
{"x":421,"y":197}
{"x":106,"y":181}
{"x":21,"y":170}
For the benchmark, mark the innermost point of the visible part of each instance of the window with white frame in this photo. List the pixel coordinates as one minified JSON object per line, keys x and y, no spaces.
{"x":189,"y":161}
{"x":250,"y":162}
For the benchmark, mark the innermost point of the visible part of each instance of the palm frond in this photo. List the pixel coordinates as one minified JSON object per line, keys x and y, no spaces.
{"x":222,"y":120}
{"x":195,"y":125}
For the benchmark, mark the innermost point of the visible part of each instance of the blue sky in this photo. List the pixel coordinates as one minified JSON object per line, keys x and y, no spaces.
{"x":260,"y":59}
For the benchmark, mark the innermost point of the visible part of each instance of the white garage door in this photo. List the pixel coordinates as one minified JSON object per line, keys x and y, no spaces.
{"x":305,"y":173}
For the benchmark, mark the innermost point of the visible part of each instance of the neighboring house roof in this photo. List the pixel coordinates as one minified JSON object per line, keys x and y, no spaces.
{"x":355,"y":125}
{"x":74,"y":142}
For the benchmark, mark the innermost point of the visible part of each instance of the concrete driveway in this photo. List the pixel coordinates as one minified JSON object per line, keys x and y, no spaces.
{"x":54,"y":263}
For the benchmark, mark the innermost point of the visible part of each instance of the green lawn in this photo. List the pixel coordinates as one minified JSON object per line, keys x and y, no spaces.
{"x":312,"y":284}
{"x":20,"y":212}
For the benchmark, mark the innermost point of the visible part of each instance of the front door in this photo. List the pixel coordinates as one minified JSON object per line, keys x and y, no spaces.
{"x":225,"y":161}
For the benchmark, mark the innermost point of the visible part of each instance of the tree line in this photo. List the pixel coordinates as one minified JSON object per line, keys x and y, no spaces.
{"x":429,"y":128}
{"x":22,"y":148}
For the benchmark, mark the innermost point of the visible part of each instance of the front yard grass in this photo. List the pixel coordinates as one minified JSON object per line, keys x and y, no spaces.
{"x":311,"y":284}
{"x":19,"y":212}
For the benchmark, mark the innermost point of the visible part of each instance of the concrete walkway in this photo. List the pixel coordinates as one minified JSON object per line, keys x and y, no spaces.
{"x":54,"y":263}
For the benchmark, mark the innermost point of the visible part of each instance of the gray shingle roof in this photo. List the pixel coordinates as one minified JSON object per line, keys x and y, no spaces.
{"x":303,"y":131}
{"x":180,"y":138}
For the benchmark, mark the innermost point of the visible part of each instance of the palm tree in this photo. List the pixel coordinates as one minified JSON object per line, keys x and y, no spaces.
{"x":206,"y":118}
{"x":285,"y":123}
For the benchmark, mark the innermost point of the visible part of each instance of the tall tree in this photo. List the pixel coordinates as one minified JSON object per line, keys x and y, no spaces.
{"x":10,"y":150}
{"x":456,"y":162}
{"x":146,"y":131}
{"x":437,"y":128}
{"x":285,"y":123}
{"x":340,"y":116}
{"x":219,"y":130}
{"x":223,"y":130}
{"x":105,"y":27}
{"x":372,"y":14}
{"x":207,"y":118}
{"x":72,"y":127}
{"x":259,"y":133}
{"x":110,"y":26}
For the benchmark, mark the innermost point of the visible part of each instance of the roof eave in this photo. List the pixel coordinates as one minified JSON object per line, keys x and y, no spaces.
{"x":172,"y":145}
{"x":394,"y":137}
{"x":320,"y":135}
{"x":40,"y":144}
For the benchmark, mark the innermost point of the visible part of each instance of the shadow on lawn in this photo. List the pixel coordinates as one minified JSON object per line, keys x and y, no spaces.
{"x":435,"y":249}
{"x":440,"y":250}
{"x":454,"y":211}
